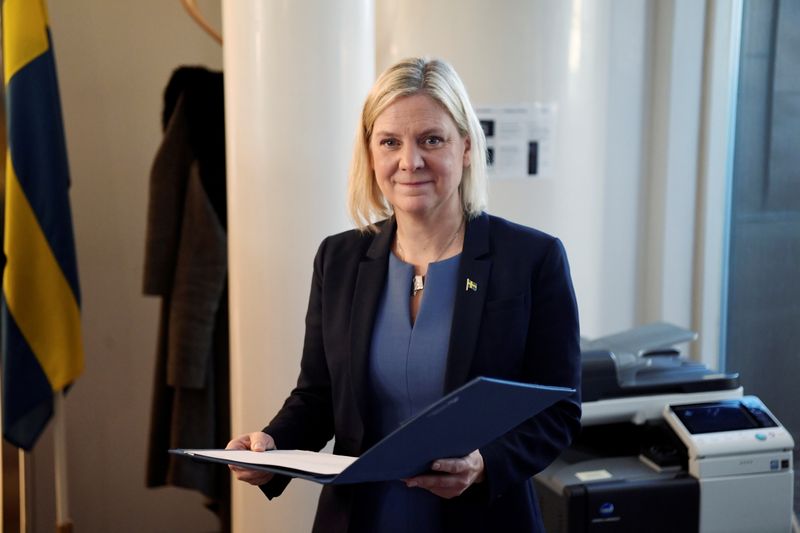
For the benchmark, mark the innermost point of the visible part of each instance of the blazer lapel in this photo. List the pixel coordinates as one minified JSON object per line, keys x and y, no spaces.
{"x":366,"y":297}
{"x":473,"y":280}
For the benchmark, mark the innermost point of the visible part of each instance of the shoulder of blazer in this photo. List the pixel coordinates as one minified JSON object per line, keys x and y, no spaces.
{"x":354,"y":246}
{"x":502,"y":227}
{"x":515,"y":239}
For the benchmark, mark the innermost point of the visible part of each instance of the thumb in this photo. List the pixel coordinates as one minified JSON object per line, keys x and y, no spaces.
{"x":260,"y":442}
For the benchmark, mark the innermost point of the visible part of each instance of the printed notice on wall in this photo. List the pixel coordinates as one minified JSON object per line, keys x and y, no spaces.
{"x":520,"y":139}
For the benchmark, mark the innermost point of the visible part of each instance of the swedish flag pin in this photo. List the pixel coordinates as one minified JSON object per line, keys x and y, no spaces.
{"x":471,"y":285}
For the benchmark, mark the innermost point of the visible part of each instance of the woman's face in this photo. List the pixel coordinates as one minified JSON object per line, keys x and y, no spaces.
{"x":418,"y":157}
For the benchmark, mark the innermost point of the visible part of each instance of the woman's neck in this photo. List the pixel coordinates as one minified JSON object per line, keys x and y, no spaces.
{"x":423,"y":241}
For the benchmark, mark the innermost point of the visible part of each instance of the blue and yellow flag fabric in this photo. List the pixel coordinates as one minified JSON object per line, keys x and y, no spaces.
{"x":42,"y":346}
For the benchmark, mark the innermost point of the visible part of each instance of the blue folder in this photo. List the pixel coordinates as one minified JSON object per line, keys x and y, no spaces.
{"x":464,"y":420}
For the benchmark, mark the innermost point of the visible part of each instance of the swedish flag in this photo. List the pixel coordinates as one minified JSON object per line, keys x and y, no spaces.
{"x":42,"y":346}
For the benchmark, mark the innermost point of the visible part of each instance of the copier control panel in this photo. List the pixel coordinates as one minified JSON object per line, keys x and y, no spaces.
{"x":738,"y":426}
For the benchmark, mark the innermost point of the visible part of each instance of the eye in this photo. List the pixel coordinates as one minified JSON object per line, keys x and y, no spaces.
{"x":389,"y":142}
{"x":433,"y":140}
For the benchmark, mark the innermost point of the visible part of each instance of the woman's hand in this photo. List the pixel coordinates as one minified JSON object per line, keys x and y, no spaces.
{"x":257,"y":442}
{"x":453,"y":476}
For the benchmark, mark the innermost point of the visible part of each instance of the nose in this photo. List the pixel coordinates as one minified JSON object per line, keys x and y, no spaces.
{"x":411,"y":158}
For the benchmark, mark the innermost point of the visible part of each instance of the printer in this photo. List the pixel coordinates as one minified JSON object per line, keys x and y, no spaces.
{"x":668,"y":445}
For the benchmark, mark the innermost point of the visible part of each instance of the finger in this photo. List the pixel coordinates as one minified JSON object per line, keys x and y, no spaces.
{"x":242,"y":442}
{"x":435,"y":482}
{"x":250,"y":475}
{"x":256,"y":441}
{"x":254,"y":477}
{"x":450,"y":466}
{"x":442,"y":486}
{"x":235,"y":468}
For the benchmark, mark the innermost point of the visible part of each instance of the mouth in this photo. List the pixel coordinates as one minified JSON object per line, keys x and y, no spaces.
{"x":413,"y":184}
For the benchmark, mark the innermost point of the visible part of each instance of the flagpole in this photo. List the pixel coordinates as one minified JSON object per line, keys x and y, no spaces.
{"x":23,"y":491}
{"x":22,"y":464}
{"x":63,"y":523}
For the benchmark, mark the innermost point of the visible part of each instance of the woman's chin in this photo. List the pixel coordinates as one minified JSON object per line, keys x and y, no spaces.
{"x":422,"y":207}
{"x":415,"y":207}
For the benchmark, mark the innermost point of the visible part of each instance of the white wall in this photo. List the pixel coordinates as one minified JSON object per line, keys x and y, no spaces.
{"x":114,"y":60}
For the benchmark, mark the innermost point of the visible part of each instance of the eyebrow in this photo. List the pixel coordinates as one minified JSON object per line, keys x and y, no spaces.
{"x":435,"y":130}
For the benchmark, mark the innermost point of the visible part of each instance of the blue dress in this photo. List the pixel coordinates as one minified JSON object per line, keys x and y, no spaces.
{"x":406,"y":373}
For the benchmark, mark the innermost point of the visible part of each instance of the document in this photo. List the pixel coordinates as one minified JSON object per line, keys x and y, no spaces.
{"x":462,"y":421}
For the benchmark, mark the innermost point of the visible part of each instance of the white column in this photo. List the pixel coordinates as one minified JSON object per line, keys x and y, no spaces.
{"x":673,"y":167}
{"x":723,"y":28}
{"x":551,"y":51}
{"x":296,"y":74}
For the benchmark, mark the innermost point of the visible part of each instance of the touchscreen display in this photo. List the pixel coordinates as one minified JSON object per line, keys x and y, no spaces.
{"x":715,"y":417}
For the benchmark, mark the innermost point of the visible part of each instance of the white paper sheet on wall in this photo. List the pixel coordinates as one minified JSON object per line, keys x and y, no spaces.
{"x":520,"y":139}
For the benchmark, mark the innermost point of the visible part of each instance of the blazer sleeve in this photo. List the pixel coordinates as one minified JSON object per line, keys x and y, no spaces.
{"x":305,"y":421}
{"x":552,"y":358}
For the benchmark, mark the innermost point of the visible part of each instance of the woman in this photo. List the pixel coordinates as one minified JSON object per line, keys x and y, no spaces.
{"x":407,"y":309}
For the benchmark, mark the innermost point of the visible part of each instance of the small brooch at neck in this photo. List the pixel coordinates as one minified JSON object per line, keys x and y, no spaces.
{"x":418,"y":285}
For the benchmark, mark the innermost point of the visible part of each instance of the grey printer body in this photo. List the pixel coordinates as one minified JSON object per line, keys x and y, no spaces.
{"x":668,"y":445}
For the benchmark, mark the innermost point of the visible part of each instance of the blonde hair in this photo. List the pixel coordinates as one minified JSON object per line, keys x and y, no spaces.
{"x":434,"y":78}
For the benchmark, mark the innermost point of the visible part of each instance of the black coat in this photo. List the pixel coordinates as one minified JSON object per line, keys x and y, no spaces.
{"x":521,"y":323}
{"x":186,"y":264}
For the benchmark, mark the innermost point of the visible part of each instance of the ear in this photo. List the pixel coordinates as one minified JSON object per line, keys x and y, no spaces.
{"x":467,"y":151}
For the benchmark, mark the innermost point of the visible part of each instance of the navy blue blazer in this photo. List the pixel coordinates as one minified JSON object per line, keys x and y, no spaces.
{"x":519,"y":323}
